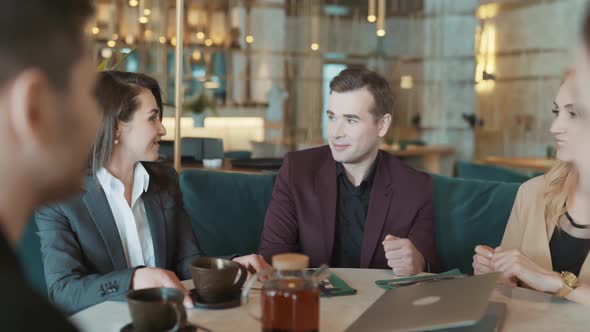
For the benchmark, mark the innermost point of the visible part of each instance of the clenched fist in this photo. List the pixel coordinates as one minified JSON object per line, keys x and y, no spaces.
{"x":402,"y":257}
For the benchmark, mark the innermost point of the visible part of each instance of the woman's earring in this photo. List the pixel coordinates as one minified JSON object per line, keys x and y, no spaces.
{"x":116,"y":141}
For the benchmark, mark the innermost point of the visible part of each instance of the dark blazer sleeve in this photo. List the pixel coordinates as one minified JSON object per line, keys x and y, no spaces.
{"x":187,"y":247}
{"x":280,"y":232}
{"x":422,"y":233}
{"x":71,"y":287}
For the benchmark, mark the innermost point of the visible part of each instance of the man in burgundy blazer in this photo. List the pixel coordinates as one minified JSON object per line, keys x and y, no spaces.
{"x":395,"y":229}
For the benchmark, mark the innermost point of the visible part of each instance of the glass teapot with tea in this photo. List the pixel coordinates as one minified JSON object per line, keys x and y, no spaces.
{"x":290,"y":294}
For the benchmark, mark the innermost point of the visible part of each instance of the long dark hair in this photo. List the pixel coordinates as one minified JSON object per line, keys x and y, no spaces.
{"x":117,"y":94}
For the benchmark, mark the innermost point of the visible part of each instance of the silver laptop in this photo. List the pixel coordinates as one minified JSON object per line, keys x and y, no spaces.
{"x":429,"y":305}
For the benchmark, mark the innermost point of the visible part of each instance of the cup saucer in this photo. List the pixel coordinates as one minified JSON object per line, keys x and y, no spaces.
{"x":187,"y":328}
{"x":234,"y":301}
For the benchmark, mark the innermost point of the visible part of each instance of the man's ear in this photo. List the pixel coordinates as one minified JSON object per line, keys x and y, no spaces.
{"x":29,"y":100}
{"x":384,"y":124}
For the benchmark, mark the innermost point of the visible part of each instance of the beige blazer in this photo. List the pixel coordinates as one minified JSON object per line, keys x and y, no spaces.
{"x":527,"y":231}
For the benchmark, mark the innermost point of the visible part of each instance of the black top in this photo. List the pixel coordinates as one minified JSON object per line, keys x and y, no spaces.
{"x":21,"y":308}
{"x":351,"y":212}
{"x":568,"y":253}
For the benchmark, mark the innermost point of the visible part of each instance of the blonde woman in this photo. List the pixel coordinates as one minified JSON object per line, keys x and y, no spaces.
{"x":547,"y":238}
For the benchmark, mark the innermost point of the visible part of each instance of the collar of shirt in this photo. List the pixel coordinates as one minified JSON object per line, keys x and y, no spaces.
{"x":368,"y":179}
{"x":111,"y":184}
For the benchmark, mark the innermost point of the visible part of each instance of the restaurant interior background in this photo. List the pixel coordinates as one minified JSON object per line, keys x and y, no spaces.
{"x":473,"y":79}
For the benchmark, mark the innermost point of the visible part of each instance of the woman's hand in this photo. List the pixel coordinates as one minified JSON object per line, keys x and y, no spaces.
{"x":482,"y":260}
{"x":514,"y":266}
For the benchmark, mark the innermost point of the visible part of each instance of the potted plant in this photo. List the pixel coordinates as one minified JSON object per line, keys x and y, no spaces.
{"x":198,"y":106}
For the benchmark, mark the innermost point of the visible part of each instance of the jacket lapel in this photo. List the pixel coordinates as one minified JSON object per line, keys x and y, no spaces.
{"x":100,"y":212}
{"x":157,"y":222}
{"x":535,"y":241}
{"x":326,"y":191}
{"x":379,"y":203}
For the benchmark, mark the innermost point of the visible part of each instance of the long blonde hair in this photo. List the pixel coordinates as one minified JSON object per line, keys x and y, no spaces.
{"x":561,"y":182}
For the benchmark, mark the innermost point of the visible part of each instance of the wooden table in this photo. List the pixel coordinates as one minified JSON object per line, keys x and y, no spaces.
{"x":225,"y":167}
{"x":527,"y":163}
{"x":431,"y":154}
{"x":526,"y":310}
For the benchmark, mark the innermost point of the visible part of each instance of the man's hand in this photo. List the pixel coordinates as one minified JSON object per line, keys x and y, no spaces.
{"x":151,"y":277}
{"x":252,"y":263}
{"x":402,"y":256}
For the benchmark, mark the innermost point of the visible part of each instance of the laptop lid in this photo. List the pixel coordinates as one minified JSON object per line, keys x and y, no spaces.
{"x":429,"y":305}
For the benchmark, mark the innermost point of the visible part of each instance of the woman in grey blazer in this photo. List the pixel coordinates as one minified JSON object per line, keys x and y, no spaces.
{"x":128,"y":229}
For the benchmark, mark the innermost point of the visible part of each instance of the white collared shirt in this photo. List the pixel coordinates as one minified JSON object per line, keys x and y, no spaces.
{"x":131,"y":221}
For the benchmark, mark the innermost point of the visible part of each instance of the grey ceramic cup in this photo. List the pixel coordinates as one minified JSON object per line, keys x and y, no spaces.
{"x":216,"y":279}
{"x":157,"y":309}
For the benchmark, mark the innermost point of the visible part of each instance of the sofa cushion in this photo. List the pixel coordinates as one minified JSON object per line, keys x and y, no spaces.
{"x":227,"y":210}
{"x":467,"y":170}
{"x":468,"y":213}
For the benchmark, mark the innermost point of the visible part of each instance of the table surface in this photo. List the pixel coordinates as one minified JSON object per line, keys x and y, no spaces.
{"x":527,"y":310}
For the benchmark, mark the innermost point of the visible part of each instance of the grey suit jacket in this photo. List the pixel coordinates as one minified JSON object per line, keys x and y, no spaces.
{"x":82,"y":253}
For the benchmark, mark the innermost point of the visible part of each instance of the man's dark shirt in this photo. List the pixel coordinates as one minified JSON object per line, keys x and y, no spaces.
{"x":351,"y":212}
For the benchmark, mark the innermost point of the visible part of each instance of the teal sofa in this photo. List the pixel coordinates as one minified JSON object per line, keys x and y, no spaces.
{"x":226,"y":209}
{"x":227,"y":213}
{"x":468,"y":170}
{"x":468,"y":213}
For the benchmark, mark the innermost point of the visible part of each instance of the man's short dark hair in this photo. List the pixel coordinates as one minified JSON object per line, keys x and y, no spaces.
{"x":42,"y":34}
{"x":353,"y":79}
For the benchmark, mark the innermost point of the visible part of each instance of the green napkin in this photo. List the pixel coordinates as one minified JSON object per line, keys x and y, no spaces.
{"x":384,"y":284}
{"x":341,"y":288}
